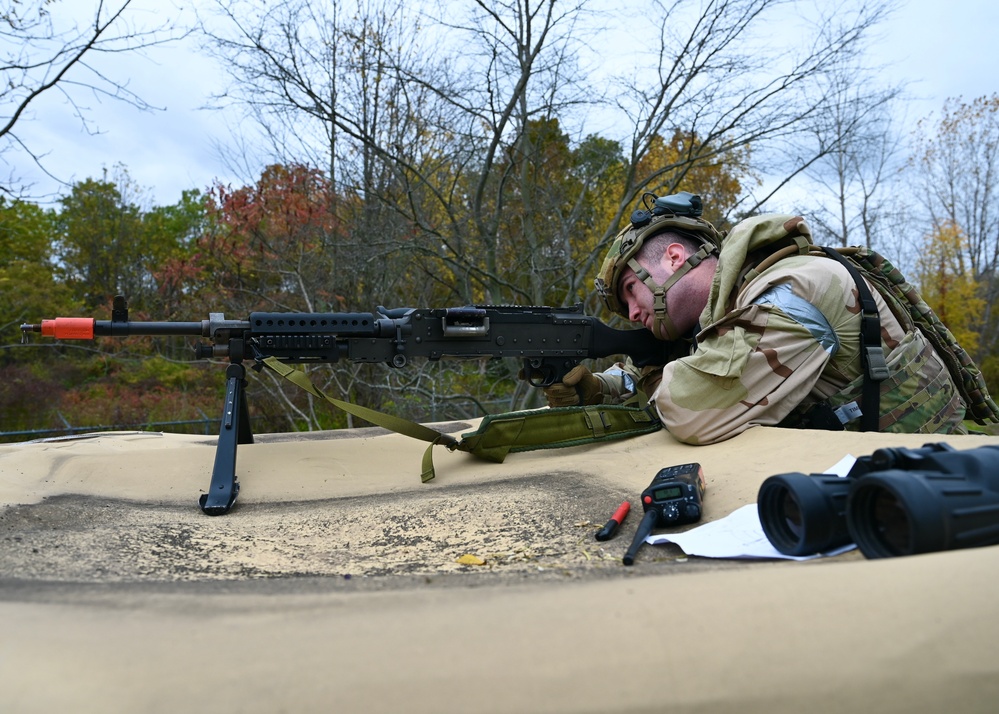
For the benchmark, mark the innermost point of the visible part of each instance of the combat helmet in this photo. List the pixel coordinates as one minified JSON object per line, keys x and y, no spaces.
{"x":678,"y":213}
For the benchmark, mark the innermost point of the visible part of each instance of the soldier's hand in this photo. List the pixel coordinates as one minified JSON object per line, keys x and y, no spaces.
{"x":579,"y":386}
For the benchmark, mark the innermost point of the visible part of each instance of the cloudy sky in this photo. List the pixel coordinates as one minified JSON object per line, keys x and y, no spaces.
{"x":942,"y":49}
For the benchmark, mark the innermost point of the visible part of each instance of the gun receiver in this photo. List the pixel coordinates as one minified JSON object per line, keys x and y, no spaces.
{"x":549,"y":341}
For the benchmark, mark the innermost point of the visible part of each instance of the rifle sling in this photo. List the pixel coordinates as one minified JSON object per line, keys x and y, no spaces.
{"x":500,"y":434}
{"x":392,"y":423}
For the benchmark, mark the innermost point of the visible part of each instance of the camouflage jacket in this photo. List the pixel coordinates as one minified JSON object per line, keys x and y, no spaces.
{"x":790,"y":337}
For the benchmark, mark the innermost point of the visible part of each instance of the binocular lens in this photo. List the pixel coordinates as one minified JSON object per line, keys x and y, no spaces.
{"x":783,"y":517}
{"x":802,"y":515}
{"x":791,"y":512}
{"x":880,"y":522}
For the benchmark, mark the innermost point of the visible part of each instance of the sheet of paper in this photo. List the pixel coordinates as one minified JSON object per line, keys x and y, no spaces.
{"x":842,"y":467}
{"x":739,"y":534}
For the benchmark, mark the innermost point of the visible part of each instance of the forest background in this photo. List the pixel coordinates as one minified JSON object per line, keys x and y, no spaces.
{"x":438,"y":154}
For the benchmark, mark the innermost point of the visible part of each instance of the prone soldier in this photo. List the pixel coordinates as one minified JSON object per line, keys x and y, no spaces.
{"x":774,"y":333}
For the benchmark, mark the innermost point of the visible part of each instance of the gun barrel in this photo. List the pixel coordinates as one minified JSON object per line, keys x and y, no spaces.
{"x":125,"y":329}
{"x":86,"y":328}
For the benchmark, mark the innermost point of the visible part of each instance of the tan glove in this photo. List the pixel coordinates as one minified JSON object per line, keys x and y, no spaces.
{"x":579,"y":386}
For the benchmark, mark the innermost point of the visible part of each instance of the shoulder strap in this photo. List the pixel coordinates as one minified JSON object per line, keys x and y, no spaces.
{"x":392,"y":423}
{"x":894,"y":288}
{"x":872,"y":354}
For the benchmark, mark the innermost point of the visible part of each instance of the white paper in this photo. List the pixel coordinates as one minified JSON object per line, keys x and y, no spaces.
{"x":740,"y":535}
{"x":842,"y":467}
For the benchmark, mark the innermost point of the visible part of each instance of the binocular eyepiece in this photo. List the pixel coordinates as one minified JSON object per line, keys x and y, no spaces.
{"x":894,"y":502}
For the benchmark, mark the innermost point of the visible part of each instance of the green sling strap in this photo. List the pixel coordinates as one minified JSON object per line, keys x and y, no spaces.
{"x":396,"y":424}
{"x":500,"y":434}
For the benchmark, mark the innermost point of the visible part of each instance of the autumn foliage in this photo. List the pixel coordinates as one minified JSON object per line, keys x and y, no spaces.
{"x":295,"y":240}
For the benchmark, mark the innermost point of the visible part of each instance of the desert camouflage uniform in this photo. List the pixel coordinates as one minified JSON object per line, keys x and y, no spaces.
{"x":766,"y":351}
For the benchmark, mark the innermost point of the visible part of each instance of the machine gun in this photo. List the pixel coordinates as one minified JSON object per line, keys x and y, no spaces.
{"x":549,"y":341}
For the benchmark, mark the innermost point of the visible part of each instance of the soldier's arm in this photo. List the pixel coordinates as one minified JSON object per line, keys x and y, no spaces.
{"x":752,"y":369}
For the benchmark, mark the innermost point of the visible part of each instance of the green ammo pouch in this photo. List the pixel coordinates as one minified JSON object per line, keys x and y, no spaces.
{"x":555,"y":428}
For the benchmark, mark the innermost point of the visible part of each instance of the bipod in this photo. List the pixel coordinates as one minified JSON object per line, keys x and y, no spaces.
{"x":235,"y":429}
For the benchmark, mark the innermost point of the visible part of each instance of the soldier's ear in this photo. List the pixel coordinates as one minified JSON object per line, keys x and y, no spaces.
{"x":674,"y":257}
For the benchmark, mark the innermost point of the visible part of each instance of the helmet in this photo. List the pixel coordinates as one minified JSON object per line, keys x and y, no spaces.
{"x":678,"y":213}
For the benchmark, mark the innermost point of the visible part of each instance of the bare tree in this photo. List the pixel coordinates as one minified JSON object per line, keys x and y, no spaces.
{"x":45,"y":47}
{"x":721,"y":77}
{"x":419,"y":115}
{"x":464,"y":82}
{"x":958,"y":161}
{"x":418,"y":111}
{"x":860,"y":149}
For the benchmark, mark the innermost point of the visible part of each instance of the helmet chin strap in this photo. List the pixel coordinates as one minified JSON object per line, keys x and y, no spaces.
{"x":662,"y":325}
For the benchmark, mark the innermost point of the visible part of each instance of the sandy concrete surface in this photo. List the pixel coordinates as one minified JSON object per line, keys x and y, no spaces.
{"x":334,"y":584}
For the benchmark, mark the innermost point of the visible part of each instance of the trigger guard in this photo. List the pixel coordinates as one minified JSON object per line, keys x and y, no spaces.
{"x":538,"y":375}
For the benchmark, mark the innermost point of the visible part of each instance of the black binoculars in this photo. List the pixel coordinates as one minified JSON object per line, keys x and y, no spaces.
{"x":896,"y":501}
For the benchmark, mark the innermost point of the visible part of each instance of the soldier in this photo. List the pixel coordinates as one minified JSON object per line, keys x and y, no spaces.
{"x":773,"y":340}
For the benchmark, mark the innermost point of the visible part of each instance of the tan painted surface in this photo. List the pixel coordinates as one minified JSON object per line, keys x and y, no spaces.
{"x":332,"y":586}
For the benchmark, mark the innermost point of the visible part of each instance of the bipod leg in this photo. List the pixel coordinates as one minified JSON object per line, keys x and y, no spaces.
{"x":235,"y":430}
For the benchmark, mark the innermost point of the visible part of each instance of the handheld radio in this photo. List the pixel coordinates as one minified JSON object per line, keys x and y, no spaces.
{"x":672,"y":499}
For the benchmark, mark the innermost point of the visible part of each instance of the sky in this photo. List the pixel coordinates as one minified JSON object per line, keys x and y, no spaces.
{"x":939,"y":49}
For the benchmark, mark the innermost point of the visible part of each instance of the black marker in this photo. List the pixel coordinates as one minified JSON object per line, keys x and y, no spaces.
{"x":607,"y":532}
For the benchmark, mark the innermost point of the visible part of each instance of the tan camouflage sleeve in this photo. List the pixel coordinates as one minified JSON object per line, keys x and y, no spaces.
{"x":752,"y":368}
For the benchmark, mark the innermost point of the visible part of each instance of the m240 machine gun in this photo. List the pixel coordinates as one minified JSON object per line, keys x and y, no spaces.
{"x":549,"y":341}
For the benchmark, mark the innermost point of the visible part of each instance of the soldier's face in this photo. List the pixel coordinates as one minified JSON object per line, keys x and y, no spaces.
{"x":637,"y":298}
{"x":685,"y":298}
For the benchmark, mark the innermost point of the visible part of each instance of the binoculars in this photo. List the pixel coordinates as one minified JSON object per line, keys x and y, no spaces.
{"x":896,"y":501}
